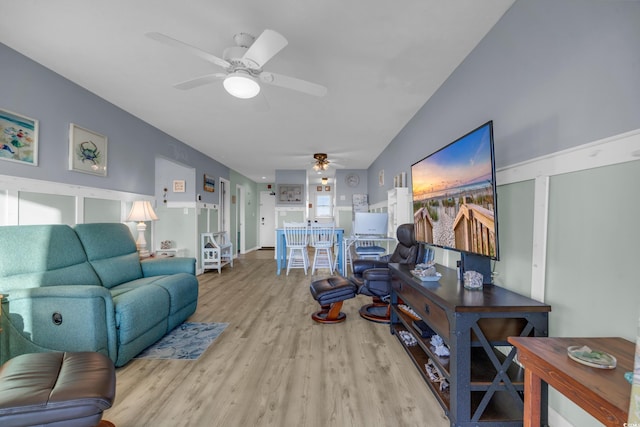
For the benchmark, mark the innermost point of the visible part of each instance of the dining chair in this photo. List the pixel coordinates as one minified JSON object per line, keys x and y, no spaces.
{"x":321,"y":239}
{"x":296,"y":236}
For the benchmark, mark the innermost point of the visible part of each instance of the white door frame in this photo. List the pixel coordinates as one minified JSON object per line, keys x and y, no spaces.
{"x":240,"y":218}
{"x":224,"y":215}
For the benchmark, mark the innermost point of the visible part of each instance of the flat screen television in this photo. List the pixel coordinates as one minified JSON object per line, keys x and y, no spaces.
{"x":454,"y":196}
{"x":370,"y":224}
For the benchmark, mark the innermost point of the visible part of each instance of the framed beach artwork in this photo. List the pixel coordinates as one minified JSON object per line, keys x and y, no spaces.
{"x":209,"y":183}
{"x":87,"y":151}
{"x":18,"y":138}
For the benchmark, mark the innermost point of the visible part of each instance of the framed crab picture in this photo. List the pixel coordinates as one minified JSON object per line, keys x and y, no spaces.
{"x":87,"y":151}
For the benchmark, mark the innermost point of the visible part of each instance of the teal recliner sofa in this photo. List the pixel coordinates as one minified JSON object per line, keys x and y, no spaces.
{"x":85,"y":289}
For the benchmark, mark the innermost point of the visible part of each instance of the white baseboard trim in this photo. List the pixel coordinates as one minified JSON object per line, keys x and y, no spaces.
{"x":255,"y":248}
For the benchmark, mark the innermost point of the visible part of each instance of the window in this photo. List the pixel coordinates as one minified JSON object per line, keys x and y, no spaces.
{"x":323,"y":206}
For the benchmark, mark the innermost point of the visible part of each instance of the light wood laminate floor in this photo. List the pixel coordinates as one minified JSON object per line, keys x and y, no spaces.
{"x":274,"y":366}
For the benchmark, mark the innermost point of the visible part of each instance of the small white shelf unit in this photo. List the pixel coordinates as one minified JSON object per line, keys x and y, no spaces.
{"x":216,"y":251}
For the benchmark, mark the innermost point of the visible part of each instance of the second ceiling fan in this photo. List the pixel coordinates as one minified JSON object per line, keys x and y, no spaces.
{"x":243,"y":64}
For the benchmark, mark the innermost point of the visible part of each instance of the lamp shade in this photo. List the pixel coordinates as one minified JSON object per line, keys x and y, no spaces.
{"x":142,"y":211}
{"x":241,"y":85}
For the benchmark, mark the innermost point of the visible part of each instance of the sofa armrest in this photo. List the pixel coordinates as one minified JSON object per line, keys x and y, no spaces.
{"x":59,"y":318}
{"x":167,"y":266}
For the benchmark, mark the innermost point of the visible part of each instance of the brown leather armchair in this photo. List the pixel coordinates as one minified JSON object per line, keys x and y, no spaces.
{"x":373,"y":278}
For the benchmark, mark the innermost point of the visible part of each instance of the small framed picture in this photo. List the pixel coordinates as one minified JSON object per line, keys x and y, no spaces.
{"x":209,"y":183}
{"x":327,"y":188}
{"x":87,"y":151}
{"x":18,"y":138}
{"x":179,"y":186}
{"x":319,"y":188}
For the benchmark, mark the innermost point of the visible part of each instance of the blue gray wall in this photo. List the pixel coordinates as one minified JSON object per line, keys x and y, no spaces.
{"x":552,"y":74}
{"x":133,"y":145}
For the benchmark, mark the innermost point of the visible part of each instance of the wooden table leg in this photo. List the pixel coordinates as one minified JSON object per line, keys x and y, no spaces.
{"x":532,"y":390}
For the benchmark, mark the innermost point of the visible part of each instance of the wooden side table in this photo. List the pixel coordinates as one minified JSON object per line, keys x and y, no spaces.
{"x":603,"y":393}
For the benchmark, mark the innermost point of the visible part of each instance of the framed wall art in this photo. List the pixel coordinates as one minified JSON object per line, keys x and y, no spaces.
{"x":18,"y":138}
{"x":179,"y":186}
{"x":87,"y":151}
{"x":290,"y":194}
{"x":209,"y":183}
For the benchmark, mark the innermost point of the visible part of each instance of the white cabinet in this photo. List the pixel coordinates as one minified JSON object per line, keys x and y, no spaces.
{"x":399,"y":209}
{"x":217,"y":250}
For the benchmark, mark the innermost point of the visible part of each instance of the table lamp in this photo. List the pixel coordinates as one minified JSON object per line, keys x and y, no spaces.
{"x":142,"y":211}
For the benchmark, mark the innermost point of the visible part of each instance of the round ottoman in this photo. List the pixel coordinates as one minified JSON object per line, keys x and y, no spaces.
{"x":330,"y":293}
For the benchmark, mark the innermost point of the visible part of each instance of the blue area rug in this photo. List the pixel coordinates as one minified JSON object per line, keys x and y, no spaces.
{"x":187,"y":341}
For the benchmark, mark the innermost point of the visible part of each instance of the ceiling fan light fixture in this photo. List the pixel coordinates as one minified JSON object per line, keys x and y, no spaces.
{"x":241,"y":85}
{"x":321,"y":164}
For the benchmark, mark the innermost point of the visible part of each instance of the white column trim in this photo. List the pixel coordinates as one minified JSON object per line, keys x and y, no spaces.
{"x":539,"y":250}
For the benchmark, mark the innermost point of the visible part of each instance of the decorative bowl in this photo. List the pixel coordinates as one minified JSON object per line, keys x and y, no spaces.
{"x":418,"y":274}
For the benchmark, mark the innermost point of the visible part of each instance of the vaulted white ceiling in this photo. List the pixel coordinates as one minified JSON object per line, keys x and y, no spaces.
{"x":380,"y":61}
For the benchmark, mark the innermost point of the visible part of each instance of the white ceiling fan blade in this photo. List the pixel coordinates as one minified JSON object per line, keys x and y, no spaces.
{"x":265,"y":47}
{"x":293,"y":83}
{"x":199,"y":52}
{"x":200,"y":81}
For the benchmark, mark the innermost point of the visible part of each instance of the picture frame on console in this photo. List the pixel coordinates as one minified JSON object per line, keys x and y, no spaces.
{"x":18,"y":138}
{"x":87,"y":151}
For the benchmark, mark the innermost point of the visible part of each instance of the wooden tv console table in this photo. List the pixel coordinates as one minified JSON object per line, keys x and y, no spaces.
{"x":486,"y":386}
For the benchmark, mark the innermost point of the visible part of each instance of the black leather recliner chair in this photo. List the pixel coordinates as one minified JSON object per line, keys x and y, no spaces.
{"x":373,"y":278}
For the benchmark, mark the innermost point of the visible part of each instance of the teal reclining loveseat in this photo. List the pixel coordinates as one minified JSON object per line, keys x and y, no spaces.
{"x":85,"y":289}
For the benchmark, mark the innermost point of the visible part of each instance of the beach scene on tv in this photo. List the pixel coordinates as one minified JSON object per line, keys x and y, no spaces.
{"x":453,"y":197}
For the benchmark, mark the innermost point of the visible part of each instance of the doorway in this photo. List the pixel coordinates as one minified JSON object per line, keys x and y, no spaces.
{"x":267,"y":219}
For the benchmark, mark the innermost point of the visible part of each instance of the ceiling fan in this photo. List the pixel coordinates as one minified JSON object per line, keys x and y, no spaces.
{"x":243,"y":64}
{"x":321,"y":163}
